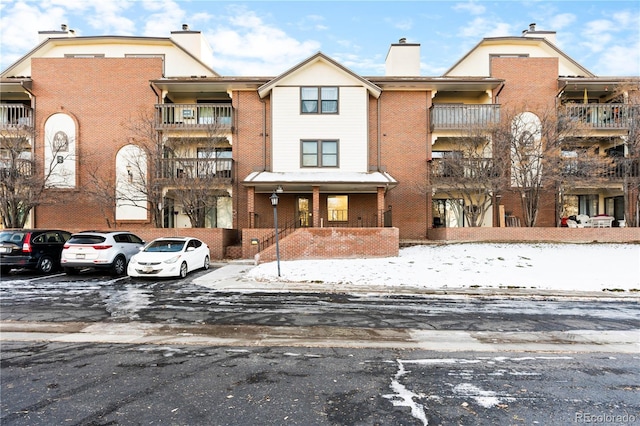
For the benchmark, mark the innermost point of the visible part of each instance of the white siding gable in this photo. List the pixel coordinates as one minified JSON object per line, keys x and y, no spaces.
{"x":349,"y":126}
{"x":477,"y":63}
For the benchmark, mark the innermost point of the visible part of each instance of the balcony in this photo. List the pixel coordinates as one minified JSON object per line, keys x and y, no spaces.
{"x":181,"y":170}
{"x":210,"y":117}
{"x":601,"y":170}
{"x":463,"y":169}
{"x":463,"y":116}
{"x":604,"y":116}
{"x":19,"y":169}
{"x":15,"y":116}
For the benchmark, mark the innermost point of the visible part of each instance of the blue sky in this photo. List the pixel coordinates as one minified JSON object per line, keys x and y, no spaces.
{"x":265,"y":38}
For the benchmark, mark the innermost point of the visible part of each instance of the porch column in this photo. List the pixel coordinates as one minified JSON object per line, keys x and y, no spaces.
{"x":380,"y":206}
{"x":251,"y":206}
{"x":316,"y":206}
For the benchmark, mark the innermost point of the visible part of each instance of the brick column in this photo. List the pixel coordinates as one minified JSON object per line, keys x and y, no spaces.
{"x":316,"y":206}
{"x":380,"y":206}
{"x":251,"y":204}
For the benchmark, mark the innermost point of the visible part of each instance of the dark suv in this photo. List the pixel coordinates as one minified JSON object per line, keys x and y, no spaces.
{"x":37,"y":249}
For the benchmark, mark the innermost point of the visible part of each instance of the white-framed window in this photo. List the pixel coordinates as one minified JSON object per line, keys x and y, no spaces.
{"x":319,"y":100}
{"x":319,"y":153}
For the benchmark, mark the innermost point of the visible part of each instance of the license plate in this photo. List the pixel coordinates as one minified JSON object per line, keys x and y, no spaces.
{"x":5,"y":249}
{"x":148,"y":269}
{"x":80,"y":256}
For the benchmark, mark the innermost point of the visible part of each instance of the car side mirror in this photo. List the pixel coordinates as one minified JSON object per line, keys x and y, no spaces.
{"x":191,"y":248}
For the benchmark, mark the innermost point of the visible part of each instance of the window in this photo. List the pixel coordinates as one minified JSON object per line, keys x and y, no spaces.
{"x":319,"y":100}
{"x":319,"y":153}
{"x":84,"y":55}
{"x":338,"y":208}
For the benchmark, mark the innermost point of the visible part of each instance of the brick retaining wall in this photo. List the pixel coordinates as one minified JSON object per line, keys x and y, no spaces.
{"x":562,"y":235}
{"x":326,"y":243}
{"x":216,"y":238}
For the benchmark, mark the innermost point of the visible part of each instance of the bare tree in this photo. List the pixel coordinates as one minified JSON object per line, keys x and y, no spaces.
{"x":101,"y":190}
{"x":23,"y":186}
{"x":188,"y":167}
{"x":472,"y":169}
{"x":140,"y":187}
{"x":537,"y":145}
{"x":630,"y":169}
{"x":200,"y":181}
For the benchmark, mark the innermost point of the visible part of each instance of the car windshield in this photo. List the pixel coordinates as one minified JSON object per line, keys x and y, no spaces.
{"x":11,"y":237}
{"x":165,"y":246}
{"x":86,"y":239}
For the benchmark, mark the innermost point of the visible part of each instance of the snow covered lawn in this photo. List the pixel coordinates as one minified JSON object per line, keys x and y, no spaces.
{"x":566,"y":267}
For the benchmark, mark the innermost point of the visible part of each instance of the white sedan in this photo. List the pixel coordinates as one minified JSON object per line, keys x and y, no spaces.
{"x":170,"y":257}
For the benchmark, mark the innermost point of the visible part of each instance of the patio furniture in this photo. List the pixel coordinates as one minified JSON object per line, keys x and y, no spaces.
{"x":584,"y":221}
{"x":602,"y":221}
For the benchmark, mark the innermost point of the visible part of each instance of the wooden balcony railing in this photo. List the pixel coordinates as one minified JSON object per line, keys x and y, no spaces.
{"x":463,"y":116}
{"x":183,"y":169}
{"x":604,"y":116}
{"x":194,"y":116}
{"x":15,"y":116}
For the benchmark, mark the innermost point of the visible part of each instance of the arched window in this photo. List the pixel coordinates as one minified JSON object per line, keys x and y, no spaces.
{"x":60,"y":165}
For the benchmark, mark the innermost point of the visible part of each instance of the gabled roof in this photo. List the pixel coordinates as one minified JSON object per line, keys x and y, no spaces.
{"x":41,"y":49}
{"x":524,"y":41}
{"x":265,"y":89}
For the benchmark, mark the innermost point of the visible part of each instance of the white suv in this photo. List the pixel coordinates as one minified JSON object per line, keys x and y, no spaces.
{"x":97,"y":249}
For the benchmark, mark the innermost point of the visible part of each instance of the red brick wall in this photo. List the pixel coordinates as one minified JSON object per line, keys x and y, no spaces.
{"x":100,"y":94}
{"x":404,"y":147}
{"x":334,"y":243}
{"x":250,"y":146}
{"x":216,"y":238}
{"x":523,"y":234}
{"x":530,"y":85}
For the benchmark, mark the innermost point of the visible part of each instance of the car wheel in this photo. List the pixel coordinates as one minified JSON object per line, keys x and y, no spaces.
{"x":119,"y":266}
{"x":46,"y":265}
{"x":70,"y":271}
{"x":206,"y":263}
{"x":183,"y":270}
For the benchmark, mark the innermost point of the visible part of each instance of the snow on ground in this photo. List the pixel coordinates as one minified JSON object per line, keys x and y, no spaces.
{"x":546,"y":266}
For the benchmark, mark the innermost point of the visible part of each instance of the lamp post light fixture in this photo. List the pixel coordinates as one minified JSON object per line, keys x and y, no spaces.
{"x":274,"y":202}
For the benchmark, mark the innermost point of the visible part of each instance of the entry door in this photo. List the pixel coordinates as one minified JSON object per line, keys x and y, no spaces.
{"x":304,"y":212}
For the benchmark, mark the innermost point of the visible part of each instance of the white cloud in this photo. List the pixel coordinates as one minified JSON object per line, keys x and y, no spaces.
{"x":20,"y":23}
{"x":244,"y":44}
{"x":471,"y":7}
{"x":167,"y":16}
{"x":404,"y":25}
{"x":108,"y":18}
{"x":563,"y":20}
{"x":484,"y":27}
{"x":620,"y":61}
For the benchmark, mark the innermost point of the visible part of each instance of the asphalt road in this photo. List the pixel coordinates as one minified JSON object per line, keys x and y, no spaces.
{"x":92,"y":350}
{"x":105,"y":384}
{"x":93,"y":297}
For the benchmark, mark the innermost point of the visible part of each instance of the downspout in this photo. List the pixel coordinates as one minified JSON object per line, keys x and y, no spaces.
{"x":497,"y":95}
{"x":32,"y":98}
{"x":379,"y":134}
{"x":264,"y":134}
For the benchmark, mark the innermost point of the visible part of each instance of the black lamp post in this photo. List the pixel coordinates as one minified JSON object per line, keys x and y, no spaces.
{"x":274,"y":202}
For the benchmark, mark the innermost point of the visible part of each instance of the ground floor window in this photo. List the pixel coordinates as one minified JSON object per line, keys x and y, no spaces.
{"x":614,"y":206}
{"x":581,"y":205}
{"x":218,"y":215}
{"x":448,"y":213}
{"x":337,"y":208}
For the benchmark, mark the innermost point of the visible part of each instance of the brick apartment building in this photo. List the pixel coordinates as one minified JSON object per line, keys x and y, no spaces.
{"x":140,"y":132}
